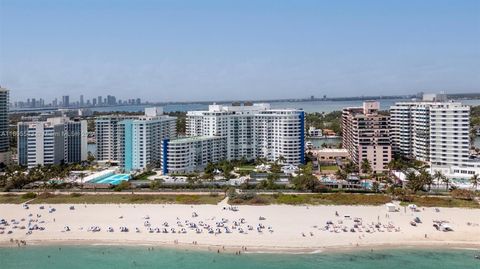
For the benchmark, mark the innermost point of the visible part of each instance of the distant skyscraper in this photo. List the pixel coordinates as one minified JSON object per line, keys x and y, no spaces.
{"x":94,"y":102}
{"x":4,"y":137}
{"x":99,"y":100}
{"x":66,"y":101}
{"x":111,"y":100}
{"x":81,"y":100}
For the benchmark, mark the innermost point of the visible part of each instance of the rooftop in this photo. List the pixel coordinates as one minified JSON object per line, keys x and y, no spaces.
{"x":194,"y":139}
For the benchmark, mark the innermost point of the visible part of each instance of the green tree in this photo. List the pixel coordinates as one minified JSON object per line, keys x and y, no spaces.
{"x":365,"y":166}
{"x":124,"y":185}
{"x":415,"y":182}
{"x":275,"y":168}
{"x":271,"y":179}
{"x":209,"y":168}
{"x":341,"y":174}
{"x":447,"y":182}
{"x":426,"y":178}
{"x":305,"y":182}
{"x":375,"y":186}
{"x":438,"y":176}
{"x":474,"y":180}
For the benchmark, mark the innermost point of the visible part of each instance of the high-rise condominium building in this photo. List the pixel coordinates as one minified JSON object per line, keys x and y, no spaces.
{"x":54,"y":141}
{"x":134,"y":141}
{"x":249,"y":131}
{"x":140,"y":141}
{"x":432,"y":130}
{"x":366,"y":135}
{"x":4,"y":136}
{"x":106,"y":136}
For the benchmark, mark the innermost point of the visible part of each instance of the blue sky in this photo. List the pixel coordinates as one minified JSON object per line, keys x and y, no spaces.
{"x":223,"y":50}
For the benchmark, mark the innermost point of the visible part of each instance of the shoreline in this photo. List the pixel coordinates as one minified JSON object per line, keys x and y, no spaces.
{"x":230,"y":249}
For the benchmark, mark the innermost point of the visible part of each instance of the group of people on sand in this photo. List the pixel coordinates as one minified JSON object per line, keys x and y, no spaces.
{"x":212,"y":226}
{"x":348,"y":224}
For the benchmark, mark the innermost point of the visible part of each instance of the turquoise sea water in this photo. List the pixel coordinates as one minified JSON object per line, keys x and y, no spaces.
{"x":100,"y":257}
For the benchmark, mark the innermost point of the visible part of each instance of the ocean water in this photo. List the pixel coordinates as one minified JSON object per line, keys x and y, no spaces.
{"x":99,"y":257}
{"x":318,"y":142}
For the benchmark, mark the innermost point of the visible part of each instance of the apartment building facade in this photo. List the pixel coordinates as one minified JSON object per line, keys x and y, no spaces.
{"x":106,"y":137}
{"x":140,"y":141}
{"x":4,"y":135}
{"x":186,"y":155}
{"x":436,"y":132}
{"x":253,"y":130}
{"x":53,"y":141}
{"x":366,"y":135}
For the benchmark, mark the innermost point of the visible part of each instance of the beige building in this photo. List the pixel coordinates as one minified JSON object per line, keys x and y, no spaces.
{"x":329,"y":156}
{"x":366,"y":135}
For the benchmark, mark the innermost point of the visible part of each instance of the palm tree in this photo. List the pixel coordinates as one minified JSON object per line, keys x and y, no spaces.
{"x":365,"y":166}
{"x":475,"y":181}
{"x":281,"y":159}
{"x":447,"y":181}
{"x":82,"y":176}
{"x":340,"y":174}
{"x":426,"y":178}
{"x":438,"y":176}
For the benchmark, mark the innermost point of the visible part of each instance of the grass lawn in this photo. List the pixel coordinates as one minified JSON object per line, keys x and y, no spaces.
{"x":316,"y":199}
{"x":328,"y":167}
{"x":246,"y":167}
{"x":426,"y":201}
{"x":12,"y":199}
{"x":127,"y":199}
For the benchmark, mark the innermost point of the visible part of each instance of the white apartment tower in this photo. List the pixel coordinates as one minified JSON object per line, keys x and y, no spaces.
{"x":54,"y":141}
{"x":106,"y":136}
{"x":134,"y":141}
{"x":249,"y":131}
{"x":140,"y":140}
{"x":280,"y":133}
{"x":432,"y":130}
{"x":188,"y":154}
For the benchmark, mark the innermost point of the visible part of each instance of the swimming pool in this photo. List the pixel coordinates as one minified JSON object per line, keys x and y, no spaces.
{"x":112,"y":179}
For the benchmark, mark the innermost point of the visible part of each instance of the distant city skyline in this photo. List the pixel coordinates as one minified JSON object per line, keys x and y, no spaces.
{"x":65,"y":102}
{"x":164,"y":51}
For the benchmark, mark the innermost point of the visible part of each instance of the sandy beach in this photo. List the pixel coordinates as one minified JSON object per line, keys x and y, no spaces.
{"x":282,"y":228}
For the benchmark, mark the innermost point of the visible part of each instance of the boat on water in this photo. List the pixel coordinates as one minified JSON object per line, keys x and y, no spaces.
{"x":309,"y":145}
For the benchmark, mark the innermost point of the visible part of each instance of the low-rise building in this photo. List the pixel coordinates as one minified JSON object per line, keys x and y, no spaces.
{"x":330,"y":156}
{"x":314,"y":132}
